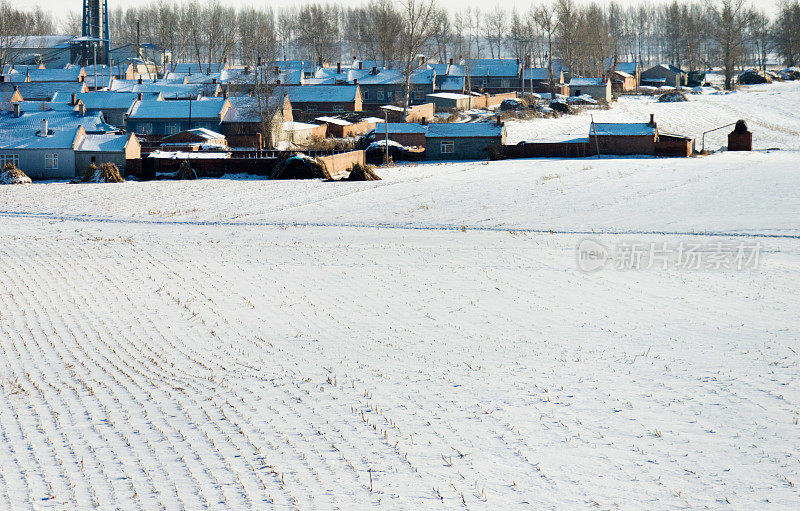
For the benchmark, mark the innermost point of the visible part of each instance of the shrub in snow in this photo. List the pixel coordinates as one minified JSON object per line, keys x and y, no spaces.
{"x":512,"y":104}
{"x":560,"y":106}
{"x":11,"y":175}
{"x":107,"y":172}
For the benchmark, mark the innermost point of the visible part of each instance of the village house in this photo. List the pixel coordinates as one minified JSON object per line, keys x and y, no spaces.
{"x":309,"y":102}
{"x":449,"y":101}
{"x":664,"y":74}
{"x":121,"y":149}
{"x":243,"y":126}
{"x":170,"y":117}
{"x":622,"y":81}
{"x":623,"y":138}
{"x":195,"y":139}
{"x":53,"y":50}
{"x":463,"y":141}
{"x":489,"y":75}
{"x":598,"y":88}
{"x":409,"y":134}
{"x":381,"y":87}
{"x":630,"y":68}
{"x":537,"y":80}
{"x":114,"y":105}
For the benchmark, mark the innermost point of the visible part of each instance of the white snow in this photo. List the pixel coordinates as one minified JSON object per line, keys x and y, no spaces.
{"x":424,"y":341}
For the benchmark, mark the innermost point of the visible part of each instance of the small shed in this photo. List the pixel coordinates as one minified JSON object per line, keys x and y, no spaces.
{"x":449,"y":101}
{"x":598,"y":88}
{"x":463,"y":141}
{"x":117,"y":148}
{"x":624,"y":138}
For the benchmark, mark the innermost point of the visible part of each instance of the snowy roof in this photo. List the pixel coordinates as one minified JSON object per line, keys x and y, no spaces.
{"x":622,"y":129}
{"x":193,"y":155}
{"x":205,"y":134}
{"x":626,"y":67}
{"x":245,"y":108}
{"x":464,"y":129}
{"x":56,"y":119}
{"x":668,"y":67}
{"x":195,"y":68}
{"x":395,"y":76}
{"x":168,"y":90}
{"x":42,"y":41}
{"x":44,"y":90}
{"x":333,"y":120}
{"x":109,"y":100}
{"x":447,"y":95}
{"x":210,"y":108}
{"x":29,"y":138}
{"x":487,"y":67}
{"x":586,"y":82}
{"x":539,"y":73}
{"x":295,"y":126}
{"x":321,"y":93}
{"x":44,"y":106}
{"x":403,"y":127}
{"x":623,"y":74}
{"x":106,"y":142}
{"x":450,"y":82}
{"x":55,"y":75}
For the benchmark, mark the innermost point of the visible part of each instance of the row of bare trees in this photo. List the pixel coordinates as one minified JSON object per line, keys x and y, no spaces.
{"x":695,"y":34}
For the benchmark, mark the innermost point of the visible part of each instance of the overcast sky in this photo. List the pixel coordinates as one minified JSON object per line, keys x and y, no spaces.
{"x":61,"y":7}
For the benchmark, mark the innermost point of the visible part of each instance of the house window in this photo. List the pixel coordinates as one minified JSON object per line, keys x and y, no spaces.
{"x":173,"y":128}
{"x":380,"y":94}
{"x":338,"y":108}
{"x":5,"y":159}
{"x":448,"y":146}
{"x":413,"y":95}
{"x":506,"y":84}
{"x":144,"y":128}
{"x":51,"y":161}
{"x":389,"y":95}
{"x":311,"y":108}
{"x":365,"y":95}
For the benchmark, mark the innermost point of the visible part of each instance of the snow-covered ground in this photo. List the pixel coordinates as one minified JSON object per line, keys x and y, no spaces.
{"x":425,"y":341}
{"x":771,"y":113}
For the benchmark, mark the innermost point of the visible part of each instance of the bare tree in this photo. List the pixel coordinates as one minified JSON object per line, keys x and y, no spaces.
{"x":418,"y":18}
{"x":728,"y":25}
{"x":546,"y":19}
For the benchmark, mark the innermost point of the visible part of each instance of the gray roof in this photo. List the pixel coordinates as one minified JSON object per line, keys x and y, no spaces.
{"x":621,"y":129}
{"x":464,"y":129}
{"x":56,"y":119}
{"x":104,"y":143}
{"x":43,"y":90}
{"x":586,"y":82}
{"x":395,"y":77}
{"x":42,"y":41}
{"x":29,"y":138}
{"x":72,"y":74}
{"x":195,"y":68}
{"x":109,"y":100}
{"x":320,"y":93}
{"x":245,"y":108}
{"x":210,"y":108}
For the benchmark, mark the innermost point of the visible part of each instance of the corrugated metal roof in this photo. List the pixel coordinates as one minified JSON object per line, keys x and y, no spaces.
{"x":106,"y":143}
{"x":621,"y":129}
{"x":55,"y":75}
{"x":44,"y":90}
{"x":586,"y":82}
{"x":29,"y":138}
{"x":110,"y":100}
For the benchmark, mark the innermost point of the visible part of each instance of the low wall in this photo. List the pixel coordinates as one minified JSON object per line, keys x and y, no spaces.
{"x":546,"y":150}
{"x":672,"y":146}
{"x":490,"y":100}
{"x":339,"y":164}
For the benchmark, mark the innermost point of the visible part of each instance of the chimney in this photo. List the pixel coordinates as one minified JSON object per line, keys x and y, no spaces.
{"x":140,"y":81}
{"x":81,"y":109}
{"x":424,"y":121}
{"x":43,"y":128}
{"x":74,"y":99}
{"x":2,"y":78}
{"x":214,"y":81}
{"x":338,"y":68}
{"x":374,"y":70}
{"x":451,"y":61}
{"x":17,"y":111}
{"x":247,"y":70}
{"x":277,"y":70}
{"x":360,"y":65}
{"x":278,"y":81}
{"x":258,"y":62}
{"x":225,"y":94}
{"x":653,"y":120}
{"x":355,"y":81}
{"x":499,"y":120}
{"x":139,"y":96}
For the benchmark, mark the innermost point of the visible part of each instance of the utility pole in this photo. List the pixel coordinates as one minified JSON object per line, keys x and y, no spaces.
{"x":138,"y":41}
{"x":386,"y":145}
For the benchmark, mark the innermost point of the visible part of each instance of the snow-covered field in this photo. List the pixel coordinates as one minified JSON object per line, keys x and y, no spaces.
{"x":425,"y":341}
{"x":771,"y":112}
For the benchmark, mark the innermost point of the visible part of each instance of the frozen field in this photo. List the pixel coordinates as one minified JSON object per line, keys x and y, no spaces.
{"x":425,"y":341}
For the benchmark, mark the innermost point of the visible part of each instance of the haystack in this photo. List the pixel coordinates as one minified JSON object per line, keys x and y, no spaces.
{"x":754,"y":77}
{"x":362,"y":173}
{"x":673,"y":97}
{"x":107,"y":172}
{"x":11,"y":175}
{"x":185,"y":171}
{"x":301,"y":166}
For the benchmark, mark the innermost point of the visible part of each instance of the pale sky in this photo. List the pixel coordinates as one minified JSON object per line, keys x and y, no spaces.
{"x":61,"y":7}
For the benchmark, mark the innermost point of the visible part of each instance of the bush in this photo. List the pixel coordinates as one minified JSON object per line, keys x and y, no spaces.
{"x":300,"y":166}
{"x":11,"y":175}
{"x":107,"y":172}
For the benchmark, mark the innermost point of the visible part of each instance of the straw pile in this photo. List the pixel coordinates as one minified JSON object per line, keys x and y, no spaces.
{"x":11,"y":175}
{"x":107,"y":172}
{"x":362,"y":173}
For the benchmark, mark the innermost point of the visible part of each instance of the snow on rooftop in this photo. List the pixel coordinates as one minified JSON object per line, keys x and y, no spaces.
{"x":621,"y":129}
